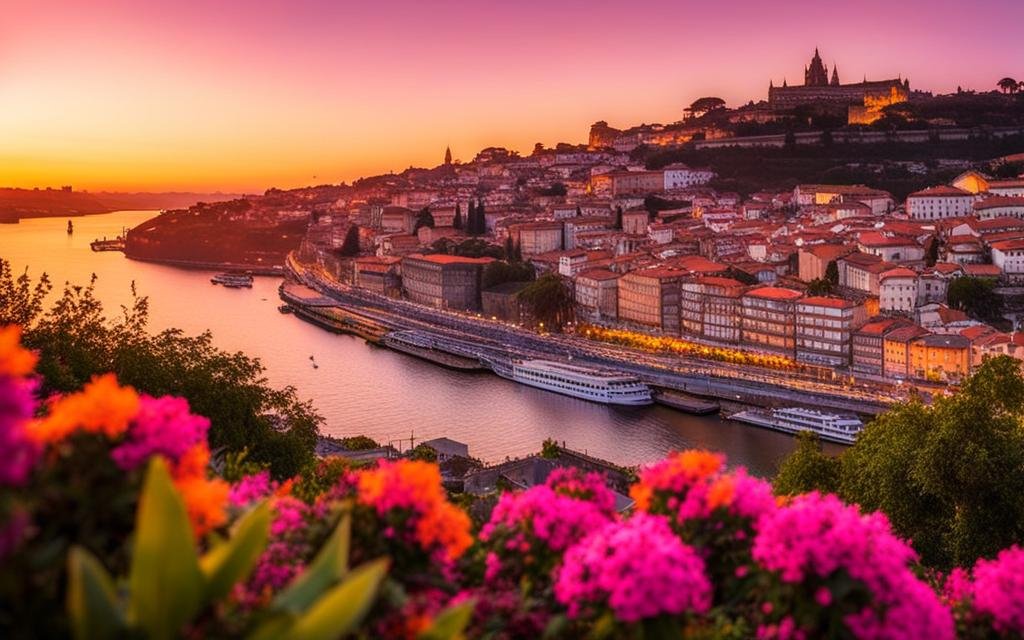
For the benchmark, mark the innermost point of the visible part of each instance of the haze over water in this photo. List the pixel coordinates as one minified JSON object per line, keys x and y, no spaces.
{"x":360,"y":389}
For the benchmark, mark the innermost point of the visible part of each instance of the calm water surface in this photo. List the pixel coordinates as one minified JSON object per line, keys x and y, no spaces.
{"x":361,"y":389}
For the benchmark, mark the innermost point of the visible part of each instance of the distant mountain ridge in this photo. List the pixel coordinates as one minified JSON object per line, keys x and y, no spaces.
{"x":44,"y":203}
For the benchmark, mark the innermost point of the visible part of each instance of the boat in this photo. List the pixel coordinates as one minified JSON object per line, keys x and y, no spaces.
{"x":117,"y":244}
{"x":686,"y":403}
{"x":432,"y":349}
{"x":285,"y":308}
{"x":596,"y":385}
{"x":233,"y":280}
{"x":832,"y":427}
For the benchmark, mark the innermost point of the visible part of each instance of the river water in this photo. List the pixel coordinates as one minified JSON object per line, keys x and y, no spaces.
{"x":361,"y":389}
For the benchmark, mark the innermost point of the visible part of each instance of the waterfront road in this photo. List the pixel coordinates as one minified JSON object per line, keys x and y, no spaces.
{"x":488,"y":337}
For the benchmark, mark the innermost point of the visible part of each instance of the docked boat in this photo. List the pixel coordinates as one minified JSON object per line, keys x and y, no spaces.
{"x":233,"y":280}
{"x":117,"y":244}
{"x":829,"y":426}
{"x":596,"y":385}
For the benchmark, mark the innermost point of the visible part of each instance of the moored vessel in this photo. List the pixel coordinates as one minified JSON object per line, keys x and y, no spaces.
{"x":596,"y":385}
{"x":828,"y":426}
{"x":233,"y":280}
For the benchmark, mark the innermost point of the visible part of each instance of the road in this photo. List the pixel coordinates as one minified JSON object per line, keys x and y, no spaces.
{"x":484,"y":336}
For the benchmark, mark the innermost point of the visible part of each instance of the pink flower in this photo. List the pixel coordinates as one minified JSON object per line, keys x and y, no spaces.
{"x":637,"y":568}
{"x":818,"y":537}
{"x":998,"y":590}
{"x":17,"y":404}
{"x":251,"y":489}
{"x":163,"y":426}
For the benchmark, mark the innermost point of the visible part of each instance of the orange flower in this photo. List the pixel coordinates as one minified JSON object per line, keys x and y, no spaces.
{"x":285,"y":488}
{"x":14,"y":360}
{"x":205,"y":500}
{"x":721,"y":492}
{"x":447,"y":526}
{"x":699,"y":462}
{"x":102,"y":406}
{"x":193,"y":464}
{"x":641,"y":494}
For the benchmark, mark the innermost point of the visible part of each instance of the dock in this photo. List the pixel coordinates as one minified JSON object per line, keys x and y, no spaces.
{"x":436,"y":356}
{"x":686,"y":403}
{"x":326,"y":314}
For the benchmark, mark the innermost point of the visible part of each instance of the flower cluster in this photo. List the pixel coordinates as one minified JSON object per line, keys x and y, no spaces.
{"x":528,"y":531}
{"x":286,"y":554}
{"x":408,"y":495}
{"x":16,"y":407}
{"x":829,"y":554}
{"x":991,"y":595}
{"x":161,"y":426}
{"x":638,"y":568}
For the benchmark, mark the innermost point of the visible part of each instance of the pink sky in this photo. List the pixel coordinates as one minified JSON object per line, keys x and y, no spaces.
{"x":176,"y":94}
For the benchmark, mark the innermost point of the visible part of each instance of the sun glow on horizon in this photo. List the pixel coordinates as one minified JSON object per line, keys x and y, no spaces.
{"x":242,"y":97}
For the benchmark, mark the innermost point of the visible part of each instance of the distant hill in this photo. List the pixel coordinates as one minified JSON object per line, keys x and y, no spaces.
{"x":44,"y":203}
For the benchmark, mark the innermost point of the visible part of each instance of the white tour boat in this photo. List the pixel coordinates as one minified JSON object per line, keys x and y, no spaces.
{"x":233,"y":280}
{"x":596,"y":385}
{"x":829,"y":426}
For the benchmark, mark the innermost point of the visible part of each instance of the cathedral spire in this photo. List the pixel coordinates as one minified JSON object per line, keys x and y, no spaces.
{"x":835,"y":75}
{"x":448,"y":155}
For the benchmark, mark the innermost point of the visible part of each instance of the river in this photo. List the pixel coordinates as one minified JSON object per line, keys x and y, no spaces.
{"x":361,"y":389}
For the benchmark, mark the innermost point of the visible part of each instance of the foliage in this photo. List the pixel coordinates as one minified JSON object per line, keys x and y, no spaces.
{"x":950,"y":475}
{"x":807,"y":468}
{"x":76,"y":341}
{"x":832,"y":273}
{"x":423,"y":219}
{"x":976,"y":296}
{"x":500,"y":272}
{"x":708,"y":551}
{"x":819,"y":287}
{"x":457,"y":220}
{"x":359,"y":443}
{"x":350,"y":246}
{"x":423,"y":453}
{"x":703,"y":106}
{"x":549,"y":300}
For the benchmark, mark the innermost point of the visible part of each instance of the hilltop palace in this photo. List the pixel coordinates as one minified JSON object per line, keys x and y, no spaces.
{"x":863,"y":100}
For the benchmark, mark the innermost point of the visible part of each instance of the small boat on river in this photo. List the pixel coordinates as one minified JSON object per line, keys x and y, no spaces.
{"x":233,"y":280}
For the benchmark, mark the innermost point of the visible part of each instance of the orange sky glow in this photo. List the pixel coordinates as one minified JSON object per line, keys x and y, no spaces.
{"x":176,"y":95}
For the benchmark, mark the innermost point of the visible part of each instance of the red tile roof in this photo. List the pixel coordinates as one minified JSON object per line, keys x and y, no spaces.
{"x":774,"y":293}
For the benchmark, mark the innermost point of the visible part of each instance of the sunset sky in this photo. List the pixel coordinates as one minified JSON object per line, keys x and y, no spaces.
{"x":244,"y":95}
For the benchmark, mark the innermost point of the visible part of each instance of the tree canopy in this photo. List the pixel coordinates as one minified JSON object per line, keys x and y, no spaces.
{"x":76,"y":341}
{"x":976,"y":297}
{"x":703,"y":106}
{"x":950,"y":476}
{"x":549,"y":301}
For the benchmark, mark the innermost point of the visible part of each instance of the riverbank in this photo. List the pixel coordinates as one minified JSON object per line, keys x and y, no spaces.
{"x":690,"y":376}
{"x":203,"y":265}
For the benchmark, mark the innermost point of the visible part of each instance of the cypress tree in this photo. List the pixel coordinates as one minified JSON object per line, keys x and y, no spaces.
{"x":618,"y":218}
{"x":471,"y":219}
{"x":510,"y":249}
{"x":457,"y":220}
{"x":350,"y":247}
{"x":481,"y":221}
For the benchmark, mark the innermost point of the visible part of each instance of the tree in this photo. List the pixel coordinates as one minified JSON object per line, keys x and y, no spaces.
{"x":579,"y":211}
{"x":808,"y":468}
{"x":976,"y":297}
{"x":517,"y":253}
{"x":618,"y":218}
{"x":76,"y":341}
{"x":1008,"y":85}
{"x":949,"y":476}
{"x":932,"y":254}
{"x":350,"y":247}
{"x":471,"y":219}
{"x":819,"y":287}
{"x":704,"y":106}
{"x":832,"y":273}
{"x":500,"y":272}
{"x":423,"y":219}
{"x":549,"y":301}
{"x":510,"y":248}
{"x":457,"y":220}
{"x":481,"y":219}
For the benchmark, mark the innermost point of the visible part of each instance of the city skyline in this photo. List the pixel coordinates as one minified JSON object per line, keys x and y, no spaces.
{"x":242,"y":98}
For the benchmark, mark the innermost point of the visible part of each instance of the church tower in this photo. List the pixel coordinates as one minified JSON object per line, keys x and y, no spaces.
{"x":816,"y":74}
{"x":448,"y":155}
{"x":835,"y":75}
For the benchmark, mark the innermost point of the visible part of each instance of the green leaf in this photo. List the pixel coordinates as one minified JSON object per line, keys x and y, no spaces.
{"x":165,"y":581}
{"x":450,"y":623}
{"x":92,"y":602}
{"x":232,"y":561}
{"x":342,"y":608}
{"x":327,"y":568}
